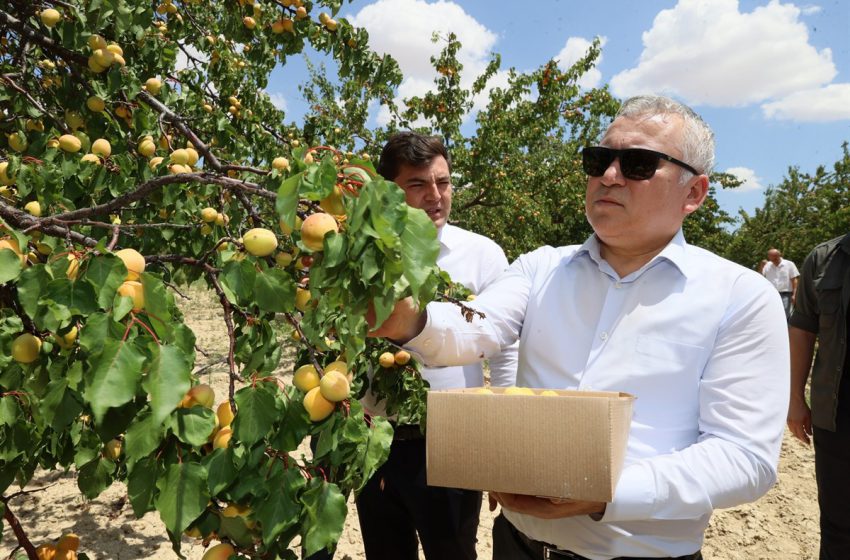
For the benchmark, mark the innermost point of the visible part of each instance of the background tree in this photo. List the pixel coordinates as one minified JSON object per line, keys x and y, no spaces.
{"x":517,"y":175}
{"x":798,"y":214}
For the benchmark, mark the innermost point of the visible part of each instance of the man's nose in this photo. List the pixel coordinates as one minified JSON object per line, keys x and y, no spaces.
{"x":613,"y":175}
{"x":432,"y":191}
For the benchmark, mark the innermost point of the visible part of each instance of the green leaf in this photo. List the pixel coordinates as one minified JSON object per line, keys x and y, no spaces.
{"x":95,"y":333}
{"x":420,"y":246}
{"x":193,"y":425}
{"x":183,"y":495}
{"x":238,"y":277}
{"x":141,"y":486}
{"x":323,"y":515}
{"x":287,"y":200}
{"x":142,"y":438}
{"x":31,"y":285}
{"x":156,"y":305}
{"x":377,"y":448}
{"x":114,"y":376}
{"x":78,"y":297}
{"x":257,"y":413}
{"x":9,"y":410}
{"x":10,"y":265}
{"x":335,"y":253}
{"x":294,"y":424}
{"x":221,"y":470}
{"x":105,"y":273}
{"x":274,"y":291}
{"x":168,"y":379}
{"x":95,"y":477}
{"x":281,"y":510}
{"x":59,"y":406}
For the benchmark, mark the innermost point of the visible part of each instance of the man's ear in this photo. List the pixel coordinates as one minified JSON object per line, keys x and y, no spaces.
{"x":697,"y":191}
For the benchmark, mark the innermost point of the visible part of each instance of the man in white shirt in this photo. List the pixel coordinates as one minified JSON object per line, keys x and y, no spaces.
{"x":700,"y":342}
{"x":783,"y":274}
{"x":396,"y":505}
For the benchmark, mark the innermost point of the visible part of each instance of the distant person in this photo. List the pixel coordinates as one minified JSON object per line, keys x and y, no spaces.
{"x":697,"y":339}
{"x":397,"y":509}
{"x":783,"y":274}
{"x":821,"y":315}
{"x":760,"y":267}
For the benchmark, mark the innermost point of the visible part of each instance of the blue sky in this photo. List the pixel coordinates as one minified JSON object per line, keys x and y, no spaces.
{"x":772,"y":78}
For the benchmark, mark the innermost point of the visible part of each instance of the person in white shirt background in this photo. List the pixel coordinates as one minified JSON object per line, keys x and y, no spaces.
{"x":396,"y":505}
{"x":700,"y":341}
{"x":783,"y":274}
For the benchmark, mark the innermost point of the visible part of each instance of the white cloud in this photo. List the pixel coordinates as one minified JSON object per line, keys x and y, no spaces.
{"x":811,"y":9}
{"x":750,"y":181}
{"x":830,"y":103}
{"x":575,"y":49}
{"x":709,"y":52}
{"x":403,"y":29}
{"x":278,"y":100}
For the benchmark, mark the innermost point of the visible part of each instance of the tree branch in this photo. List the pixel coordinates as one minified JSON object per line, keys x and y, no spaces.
{"x":18,"y":530}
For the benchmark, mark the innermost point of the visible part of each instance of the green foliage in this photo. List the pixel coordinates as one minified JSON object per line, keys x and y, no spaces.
{"x":105,"y":381}
{"x":799,"y":213}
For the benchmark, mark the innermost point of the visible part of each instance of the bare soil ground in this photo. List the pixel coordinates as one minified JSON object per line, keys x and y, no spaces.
{"x":783,"y":525}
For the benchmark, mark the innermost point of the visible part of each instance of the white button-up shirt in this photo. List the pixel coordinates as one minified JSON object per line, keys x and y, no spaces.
{"x":700,"y":341}
{"x":781,"y":275}
{"x":474,"y":261}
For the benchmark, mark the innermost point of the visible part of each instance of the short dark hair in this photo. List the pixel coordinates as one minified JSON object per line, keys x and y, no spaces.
{"x":410,"y":148}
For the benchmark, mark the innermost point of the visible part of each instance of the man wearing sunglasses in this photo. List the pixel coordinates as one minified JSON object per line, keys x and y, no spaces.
{"x":700,"y":341}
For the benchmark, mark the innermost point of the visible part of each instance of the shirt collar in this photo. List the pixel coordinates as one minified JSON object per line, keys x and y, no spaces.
{"x":446,"y":236}
{"x":845,"y":243}
{"x":675,"y":253}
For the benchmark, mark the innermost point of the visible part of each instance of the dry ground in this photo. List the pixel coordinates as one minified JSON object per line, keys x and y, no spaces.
{"x":781,"y":526}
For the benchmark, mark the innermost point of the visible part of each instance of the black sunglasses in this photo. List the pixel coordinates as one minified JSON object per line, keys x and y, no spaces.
{"x":637,"y":164}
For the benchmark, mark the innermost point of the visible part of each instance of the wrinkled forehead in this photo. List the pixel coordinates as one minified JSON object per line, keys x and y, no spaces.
{"x":655,"y":130}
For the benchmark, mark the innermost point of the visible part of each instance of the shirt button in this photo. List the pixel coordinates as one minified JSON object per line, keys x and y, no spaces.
{"x":618,"y":285}
{"x":604,"y":336}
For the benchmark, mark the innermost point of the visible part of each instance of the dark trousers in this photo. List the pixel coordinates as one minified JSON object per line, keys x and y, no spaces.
{"x":510,"y":544}
{"x":832,"y":471}
{"x":396,"y":505}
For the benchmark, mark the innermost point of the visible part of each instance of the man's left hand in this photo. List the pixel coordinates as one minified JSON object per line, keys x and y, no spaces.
{"x":545,"y":508}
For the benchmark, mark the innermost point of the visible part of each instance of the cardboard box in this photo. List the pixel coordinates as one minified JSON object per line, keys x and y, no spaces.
{"x":566,"y":446}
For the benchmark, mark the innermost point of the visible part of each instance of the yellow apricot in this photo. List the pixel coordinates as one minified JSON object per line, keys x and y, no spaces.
{"x":134,"y":291}
{"x":225,"y":414}
{"x":334,"y":386}
{"x":518,"y":391}
{"x":306,"y":378}
{"x":260,"y":242}
{"x":302,"y":299}
{"x":221,"y":551}
{"x":201,"y":394}
{"x":133,"y":261}
{"x":222,"y":439}
{"x":317,"y":406}
{"x":387,"y":359}
{"x":314,"y":229}
{"x":402,"y":357}
{"x":25,"y":348}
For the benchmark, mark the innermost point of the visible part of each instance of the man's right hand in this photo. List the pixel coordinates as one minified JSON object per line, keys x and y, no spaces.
{"x":800,"y":419}
{"x":404,"y":323}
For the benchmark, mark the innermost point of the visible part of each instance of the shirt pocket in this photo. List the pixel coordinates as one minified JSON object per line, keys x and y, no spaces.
{"x":829,"y":304}
{"x":657,"y":350}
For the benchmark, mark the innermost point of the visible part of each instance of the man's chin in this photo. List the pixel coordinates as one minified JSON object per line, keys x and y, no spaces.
{"x":439,"y":222}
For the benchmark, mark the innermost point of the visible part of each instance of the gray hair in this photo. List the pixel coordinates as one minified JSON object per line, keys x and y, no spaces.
{"x":697,"y":137}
